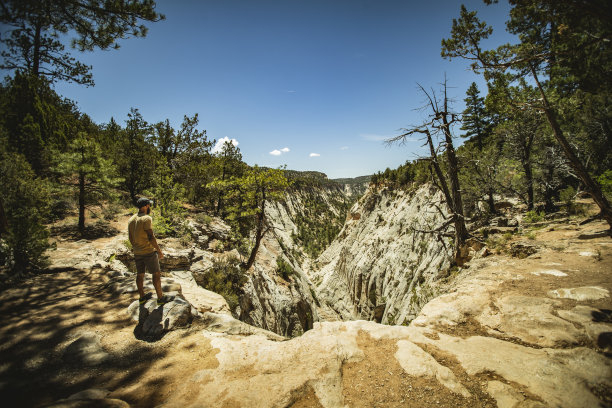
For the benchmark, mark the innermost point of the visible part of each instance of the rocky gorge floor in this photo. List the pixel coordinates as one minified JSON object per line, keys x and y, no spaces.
{"x":507,"y":332}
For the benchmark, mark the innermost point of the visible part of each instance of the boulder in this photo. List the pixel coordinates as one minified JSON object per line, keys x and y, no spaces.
{"x":93,"y":397}
{"x":522,"y":249}
{"x":223,"y":323}
{"x":498,"y":230}
{"x":502,"y":205}
{"x":86,"y":350}
{"x":154,"y":321}
{"x":201,"y":299}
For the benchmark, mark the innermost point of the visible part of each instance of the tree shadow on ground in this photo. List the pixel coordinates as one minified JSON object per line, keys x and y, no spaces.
{"x":92,"y":231}
{"x":598,"y":234}
{"x":42,"y":316}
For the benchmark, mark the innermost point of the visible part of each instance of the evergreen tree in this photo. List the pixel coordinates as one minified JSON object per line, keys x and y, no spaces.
{"x":535,"y":56}
{"x":136,"y":162}
{"x":24,"y":207}
{"x":475,"y":122}
{"x":248,"y":196}
{"x":91,"y":176}
{"x":34,"y":43}
{"x":167,"y":196}
{"x":38,"y":122}
{"x":229,"y":164}
{"x":191,"y":158}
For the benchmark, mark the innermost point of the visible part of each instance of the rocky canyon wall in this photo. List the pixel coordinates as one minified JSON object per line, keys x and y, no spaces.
{"x":382,"y":267}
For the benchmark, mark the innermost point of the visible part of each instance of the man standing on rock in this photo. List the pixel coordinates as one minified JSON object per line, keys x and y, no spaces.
{"x":146,"y":250}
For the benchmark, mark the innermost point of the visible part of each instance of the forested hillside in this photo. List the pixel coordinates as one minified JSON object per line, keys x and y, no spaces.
{"x":541,"y":131}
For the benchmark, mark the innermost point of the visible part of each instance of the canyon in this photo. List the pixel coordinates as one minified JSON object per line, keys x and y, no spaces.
{"x":381,"y":317}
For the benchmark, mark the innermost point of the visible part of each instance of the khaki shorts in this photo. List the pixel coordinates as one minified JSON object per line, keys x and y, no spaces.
{"x":149,"y":261}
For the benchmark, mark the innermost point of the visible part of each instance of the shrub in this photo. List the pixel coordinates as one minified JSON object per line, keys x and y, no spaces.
{"x":567,"y":196}
{"x":605,"y":180}
{"x":533,"y":216}
{"x":110,"y":211}
{"x":203,"y":219}
{"x":283,"y":268}
{"x":226,"y":278}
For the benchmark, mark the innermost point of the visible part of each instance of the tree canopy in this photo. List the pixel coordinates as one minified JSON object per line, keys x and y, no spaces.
{"x":37,"y":28}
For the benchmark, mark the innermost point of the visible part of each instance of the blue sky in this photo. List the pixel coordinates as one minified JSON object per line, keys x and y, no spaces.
{"x":318,"y":83}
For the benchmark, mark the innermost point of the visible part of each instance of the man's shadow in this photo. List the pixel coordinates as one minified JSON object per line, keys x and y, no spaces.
{"x":149,"y":327}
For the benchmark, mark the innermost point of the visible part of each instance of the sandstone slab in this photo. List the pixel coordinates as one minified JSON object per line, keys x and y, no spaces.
{"x":582,"y":293}
{"x":86,"y":350}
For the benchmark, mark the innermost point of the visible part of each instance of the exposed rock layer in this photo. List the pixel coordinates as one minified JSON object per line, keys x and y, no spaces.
{"x":382,"y":266}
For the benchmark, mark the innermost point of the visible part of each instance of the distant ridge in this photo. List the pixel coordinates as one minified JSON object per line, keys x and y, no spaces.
{"x":319,"y":178}
{"x":354,"y":180}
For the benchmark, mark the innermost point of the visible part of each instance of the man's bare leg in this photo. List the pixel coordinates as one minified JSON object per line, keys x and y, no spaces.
{"x":140,"y":284}
{"x":157,"y":284}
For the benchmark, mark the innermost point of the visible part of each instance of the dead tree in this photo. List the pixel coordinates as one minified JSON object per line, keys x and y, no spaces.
{"x":439,"y":124}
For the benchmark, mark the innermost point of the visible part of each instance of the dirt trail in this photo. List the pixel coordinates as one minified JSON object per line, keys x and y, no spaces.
{"x":43,"y":314}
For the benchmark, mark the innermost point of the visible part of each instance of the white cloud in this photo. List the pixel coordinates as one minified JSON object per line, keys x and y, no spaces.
{"x":219,"y":146}
{"x":315,"y":155}
{"x":277,"y":152}
{"x":344,"y":148}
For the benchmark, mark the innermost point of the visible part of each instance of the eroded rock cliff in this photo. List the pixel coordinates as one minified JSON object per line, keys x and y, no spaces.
{"x":382,"y":266}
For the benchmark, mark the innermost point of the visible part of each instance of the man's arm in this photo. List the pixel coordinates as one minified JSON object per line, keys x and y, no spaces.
{"x":153,"y":242}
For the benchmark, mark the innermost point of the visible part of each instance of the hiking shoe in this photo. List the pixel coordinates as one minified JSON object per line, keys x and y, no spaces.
{"x":145,"y":298}
{"x":164,"y":299}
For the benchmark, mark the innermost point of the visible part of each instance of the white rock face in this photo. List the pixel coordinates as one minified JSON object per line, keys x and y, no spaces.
{"x":285,"y":306}
{"x":380,"y":267}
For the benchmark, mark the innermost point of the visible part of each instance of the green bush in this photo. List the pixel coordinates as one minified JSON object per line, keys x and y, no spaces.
{"x":567,"y":196}
{"x":533,"y":216}
{"x":226,"y":278}
{"x":605,"y":180}
{"x":203,"y":219}
{"x":25,"y":201}
{"x":110,"y":211}
{"x":283,"y":268}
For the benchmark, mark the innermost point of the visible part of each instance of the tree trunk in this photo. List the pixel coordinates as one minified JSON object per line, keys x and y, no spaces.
{"x":441,"y":179}
{"x":81,"y":203}
{"x":461,"y":232}
{"x":491,"y":202}
{"x":590,"y":185}
{"x":220,"y":200}
{"x":3,"y":220}
{"x":529,"y":177}
{"x":259,"y":233}
{"x":36,"y":53}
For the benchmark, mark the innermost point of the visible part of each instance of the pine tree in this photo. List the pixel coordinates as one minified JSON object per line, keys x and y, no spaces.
{"x":475,"y":122}
{"x":34,"y":43}
{"x":246,"y":200}
{"x":538,"y":22}
{"x":91,"y":176}
{"x":38,"y":122}
{"x":24,"y":204}
{"x":136,"y":159}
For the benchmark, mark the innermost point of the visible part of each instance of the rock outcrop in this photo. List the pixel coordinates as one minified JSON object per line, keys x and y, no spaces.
{"x":154,"y":321}
{"x":383,"y":266}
